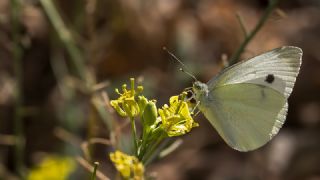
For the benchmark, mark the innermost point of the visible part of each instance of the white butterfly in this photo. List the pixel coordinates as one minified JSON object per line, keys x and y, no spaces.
{"x":247,"y":102}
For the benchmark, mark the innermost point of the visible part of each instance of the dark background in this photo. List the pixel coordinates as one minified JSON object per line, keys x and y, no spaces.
{"x":122,"y":39}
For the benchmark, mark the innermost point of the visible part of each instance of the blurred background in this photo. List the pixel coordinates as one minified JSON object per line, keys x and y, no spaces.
{"x":61,"y":60}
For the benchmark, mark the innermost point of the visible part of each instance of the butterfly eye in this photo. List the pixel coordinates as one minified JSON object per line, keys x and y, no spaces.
{"x":197,"y":86}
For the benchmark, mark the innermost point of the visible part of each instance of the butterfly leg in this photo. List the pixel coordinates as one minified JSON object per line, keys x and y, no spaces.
{"x":196,"y":113}
{"x":188,"y":89}
{"x":195,"y":107}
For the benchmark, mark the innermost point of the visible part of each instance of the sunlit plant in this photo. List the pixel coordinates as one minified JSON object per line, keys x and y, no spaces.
{"x":158,"y":124}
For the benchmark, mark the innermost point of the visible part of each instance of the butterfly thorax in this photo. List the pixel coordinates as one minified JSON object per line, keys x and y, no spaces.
{"x":200,"y":90}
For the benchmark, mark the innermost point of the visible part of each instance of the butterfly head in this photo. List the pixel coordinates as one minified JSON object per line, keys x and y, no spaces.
{"x":200,"y":89}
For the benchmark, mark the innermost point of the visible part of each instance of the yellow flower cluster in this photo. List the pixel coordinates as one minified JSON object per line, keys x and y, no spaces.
{"x":128,"y":166}
{"x":171,"y":120}
{"x":126,"y":105}
{"x":176,"y":118}
{"x":53,"y":168}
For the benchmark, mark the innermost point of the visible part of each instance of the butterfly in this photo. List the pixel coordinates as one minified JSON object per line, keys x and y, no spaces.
{"x":247,"y":103}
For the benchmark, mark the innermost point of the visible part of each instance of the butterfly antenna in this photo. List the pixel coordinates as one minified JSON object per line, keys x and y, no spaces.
{"x":185,"y":70}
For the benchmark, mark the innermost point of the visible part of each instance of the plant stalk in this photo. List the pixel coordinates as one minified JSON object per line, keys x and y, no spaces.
{"x":17,"y":59}
{"x":249,"y":37}
{"x":66,"y":38}
{"x":134,"y":135}
{"x":95,"y":167}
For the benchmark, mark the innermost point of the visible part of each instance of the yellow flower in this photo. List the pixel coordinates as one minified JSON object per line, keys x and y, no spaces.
{"x":176,"y":118}
{"x":128,"y":166}
{"x":53,"y":168}
{"x":126,"y":105}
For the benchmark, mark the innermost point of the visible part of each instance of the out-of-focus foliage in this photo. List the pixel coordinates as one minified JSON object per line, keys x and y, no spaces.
{"x":53,"y":168}
{"x":121,"y":39}
{"x":128,"y":166}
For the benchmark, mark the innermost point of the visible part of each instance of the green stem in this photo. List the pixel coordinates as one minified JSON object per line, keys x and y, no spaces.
{"x":66,"y":38}
{"x":17,"y":58}
{"x":134,"y":135}
{"x":153,"y":148}
{"x":145,"y":140}
{"x":243,"y":27}
{"x":93,"y":176}
{"x":249,"y":37}
{"x":157,"y":151}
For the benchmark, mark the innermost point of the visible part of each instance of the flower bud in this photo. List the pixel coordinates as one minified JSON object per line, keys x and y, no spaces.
{"x":142,"y":102}
{"x":149,"y":115}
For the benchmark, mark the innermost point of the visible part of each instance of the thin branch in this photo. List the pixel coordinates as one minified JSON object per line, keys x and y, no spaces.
{"x":94,"y":173}
{"x":172,"y":147}
{"x":237,"y":54}
{"x":90,"y":9}
{"x":75,"y":141}
{"x":66,"y":38}
{"x":66,"y":136}
{"x":85,"y":145}
{"x":242,"y":25}
{"x":18,"y":68}
{"x":104,"y":110}
{"x":85,"y":164}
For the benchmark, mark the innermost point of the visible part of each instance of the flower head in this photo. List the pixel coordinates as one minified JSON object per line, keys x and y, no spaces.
{"x":128,"y":166}
{"x":176,"y":118}
{"x":53,"y":167}
{"x":126,"y":105}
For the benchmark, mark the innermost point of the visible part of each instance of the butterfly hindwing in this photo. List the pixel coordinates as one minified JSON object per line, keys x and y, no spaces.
{"x":245,"y":115}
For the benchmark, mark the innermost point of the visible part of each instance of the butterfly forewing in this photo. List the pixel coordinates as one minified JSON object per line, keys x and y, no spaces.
{"x":283,"y":63}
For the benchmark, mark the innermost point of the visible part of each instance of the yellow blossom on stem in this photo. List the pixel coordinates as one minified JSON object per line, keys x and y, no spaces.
{"x":126,"y":105}
{"x":128,"y":166}
{"x":53,"y":167}
{"x":176,"y":118}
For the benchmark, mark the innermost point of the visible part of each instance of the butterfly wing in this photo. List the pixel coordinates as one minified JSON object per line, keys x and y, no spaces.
{"x":245,"y":114}
{"x":247,"y":102}
{"x":283,"y":63}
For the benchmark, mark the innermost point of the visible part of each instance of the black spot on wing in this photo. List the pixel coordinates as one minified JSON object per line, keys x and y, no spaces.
{"x":269,"y":78}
